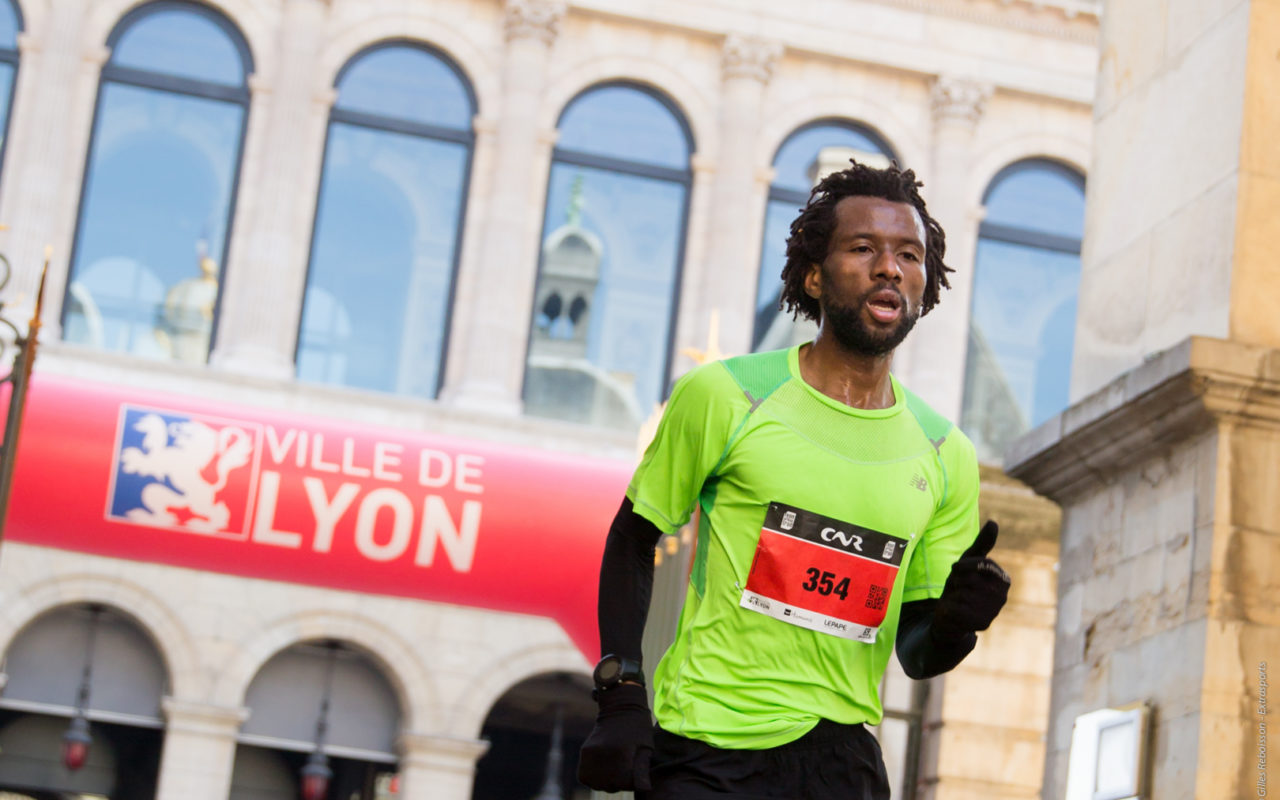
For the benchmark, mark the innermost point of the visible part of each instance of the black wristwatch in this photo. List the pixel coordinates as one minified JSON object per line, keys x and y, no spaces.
{"x":613,"y":670}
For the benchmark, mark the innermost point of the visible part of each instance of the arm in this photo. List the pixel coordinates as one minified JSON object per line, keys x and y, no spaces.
{"x":935,"y":635}
{"x":626,"y":582}
{"x":920,"y":652}
{"x":615,"y":757}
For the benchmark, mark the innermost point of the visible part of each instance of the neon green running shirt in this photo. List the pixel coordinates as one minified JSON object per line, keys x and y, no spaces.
{"x":772,"y":636}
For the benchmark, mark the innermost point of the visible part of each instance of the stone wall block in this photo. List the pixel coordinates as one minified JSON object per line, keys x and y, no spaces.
{"x":970,"y":694}
{"x":1173,"y":775}
{"x":1251,"y":576}
{"x":1254,"y":479}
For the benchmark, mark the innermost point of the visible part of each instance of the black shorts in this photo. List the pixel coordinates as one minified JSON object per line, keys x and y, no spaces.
{"x":830,"y":762}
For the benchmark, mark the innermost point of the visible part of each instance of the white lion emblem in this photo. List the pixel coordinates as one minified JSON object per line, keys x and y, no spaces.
{"x":195,"y":467}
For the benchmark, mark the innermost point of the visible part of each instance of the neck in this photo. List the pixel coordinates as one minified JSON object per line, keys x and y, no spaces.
{"x":855,"y":379}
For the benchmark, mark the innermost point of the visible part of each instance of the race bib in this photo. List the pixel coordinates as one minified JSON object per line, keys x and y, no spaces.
{"x":823,"y":574}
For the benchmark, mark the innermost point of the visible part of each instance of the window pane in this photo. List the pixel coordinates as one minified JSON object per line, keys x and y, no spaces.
{"x":382,"y":262}
{"x":181,"y":43}
{"x":796,"y":156}
{"x":1038,"y":198}
{"x":625,"y":123}
{"x":598,"y":348}
{"x":406,"y":83}
{"x":8,"y":25}
{"x":154,"y":217}
{"x":774,"y":327}
{"x":6,"y":88}
{"x":1020,"y":342}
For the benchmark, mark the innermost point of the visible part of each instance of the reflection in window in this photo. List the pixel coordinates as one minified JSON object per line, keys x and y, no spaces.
{"x":807,"y":156}
{"x":159,"y":185}
{"x":387,"y":224}
{"x":10,"y":24}
{"x":613,"y":237}
{"x":1022,"y":324}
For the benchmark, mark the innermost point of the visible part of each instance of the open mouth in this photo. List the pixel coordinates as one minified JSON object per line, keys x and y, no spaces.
{"x":885,"y":305}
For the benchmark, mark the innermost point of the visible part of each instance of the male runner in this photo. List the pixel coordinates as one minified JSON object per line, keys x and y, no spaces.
{"x":839,"y":515}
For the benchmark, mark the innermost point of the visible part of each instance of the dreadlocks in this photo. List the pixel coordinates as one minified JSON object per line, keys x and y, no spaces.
{"x":810,"y":236}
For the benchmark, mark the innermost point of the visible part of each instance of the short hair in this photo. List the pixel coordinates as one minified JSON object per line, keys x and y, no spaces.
{"x":810,"y":239}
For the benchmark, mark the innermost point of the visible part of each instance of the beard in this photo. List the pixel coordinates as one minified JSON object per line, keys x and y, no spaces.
{"x":846,"y":323}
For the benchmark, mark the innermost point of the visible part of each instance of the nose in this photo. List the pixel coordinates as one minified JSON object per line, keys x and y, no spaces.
{"x":887,"y":266}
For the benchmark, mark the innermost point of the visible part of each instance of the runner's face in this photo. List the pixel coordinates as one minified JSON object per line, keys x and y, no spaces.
{"x":871,"y":284}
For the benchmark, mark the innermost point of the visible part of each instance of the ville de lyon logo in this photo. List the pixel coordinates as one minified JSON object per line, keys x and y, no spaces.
{"x":184,"y":471}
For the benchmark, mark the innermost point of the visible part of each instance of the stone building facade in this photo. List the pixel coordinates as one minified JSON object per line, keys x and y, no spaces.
{"x":969,"y":93}
{"x":1165,"y":464}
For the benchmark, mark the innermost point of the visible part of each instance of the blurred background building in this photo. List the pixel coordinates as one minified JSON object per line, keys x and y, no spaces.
{"x":358,"y":309}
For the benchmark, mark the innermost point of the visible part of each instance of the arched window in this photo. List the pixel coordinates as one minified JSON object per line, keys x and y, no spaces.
{"x":1022,"y":323}
{"x":160,"y":184}
{"x":809,"y":154}
{"x":612,"y":245}
{"x":389,"y":217}
{"x":10,"y":25}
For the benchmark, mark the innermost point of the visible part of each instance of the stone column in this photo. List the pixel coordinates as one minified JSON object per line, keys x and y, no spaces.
{"x":199,"y":750}
{"x":438,"y":767}
{"x":736,"y":213}
{"x":264,"y":270}
{"x":940,"y":342}
{"x":491,"y":331}
{"x":1170,"y":541}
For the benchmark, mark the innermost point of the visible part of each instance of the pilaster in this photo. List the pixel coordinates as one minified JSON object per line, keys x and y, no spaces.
{"x":491,"y":327}
{"x":438,"y":767}
{"x":957,"y":105}
{"x":199,"y":750}
{"x":264,"y":274}
{"x":736,"y":212}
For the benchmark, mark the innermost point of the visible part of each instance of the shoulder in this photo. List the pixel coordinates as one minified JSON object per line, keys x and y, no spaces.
{"x":759,"y":374}
{"x":946,"y":437}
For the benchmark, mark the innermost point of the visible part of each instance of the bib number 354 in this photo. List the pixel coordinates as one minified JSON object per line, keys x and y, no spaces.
{"x":826,"y":583}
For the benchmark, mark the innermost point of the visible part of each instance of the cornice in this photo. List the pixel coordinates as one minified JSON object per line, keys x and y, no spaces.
{"x":1189,"y":389}
{"x":1063,"y":19}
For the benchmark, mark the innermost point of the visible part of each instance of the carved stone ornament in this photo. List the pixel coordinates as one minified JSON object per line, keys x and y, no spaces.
{"x":534,"y":19}
{"x":958,"y":99}
{"x":749,"y":57}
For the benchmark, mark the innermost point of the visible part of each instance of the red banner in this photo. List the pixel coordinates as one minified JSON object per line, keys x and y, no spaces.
{"x":265,"y":494}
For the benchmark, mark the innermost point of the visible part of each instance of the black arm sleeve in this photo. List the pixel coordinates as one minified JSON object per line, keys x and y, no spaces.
{"x":920,"y":652}
{"x":626,"y":582}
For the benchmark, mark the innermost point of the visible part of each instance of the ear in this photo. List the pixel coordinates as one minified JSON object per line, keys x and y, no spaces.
{"x":813,"y":281}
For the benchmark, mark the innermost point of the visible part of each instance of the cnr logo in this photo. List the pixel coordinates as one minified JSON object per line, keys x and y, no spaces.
{"x":848,"y":540}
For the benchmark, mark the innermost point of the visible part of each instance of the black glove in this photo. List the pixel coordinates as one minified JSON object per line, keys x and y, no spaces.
{"x":975,"y":591}
{"x":615,"y":757}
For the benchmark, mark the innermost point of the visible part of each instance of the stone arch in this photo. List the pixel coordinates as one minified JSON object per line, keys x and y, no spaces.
{"x":989,"y":161}
{"x":247,"y":16}
{"x":156,"y":618}
{"x":409,"y":678}
{"x":691,"y":103}
{"x":497,"y":677}
{"x":478,"y":67}
{"x":782,"y":122}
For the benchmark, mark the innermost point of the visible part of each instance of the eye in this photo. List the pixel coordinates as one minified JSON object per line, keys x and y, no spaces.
{"x":910,"y":256}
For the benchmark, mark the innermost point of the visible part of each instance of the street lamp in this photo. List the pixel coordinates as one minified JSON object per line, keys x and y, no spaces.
{"x":76,"y":741}
{"x":316,"y":774}
{"x":551,"y":788}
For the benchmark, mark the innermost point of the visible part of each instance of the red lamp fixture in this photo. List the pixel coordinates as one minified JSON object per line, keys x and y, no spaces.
{"x":315,"y":776}
{"x":76,"y":741}
{"x":316,"y":773}
{"x":75,"y":744}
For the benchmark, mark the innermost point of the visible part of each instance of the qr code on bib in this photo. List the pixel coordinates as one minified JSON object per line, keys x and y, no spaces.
{"x":877,"y":596}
